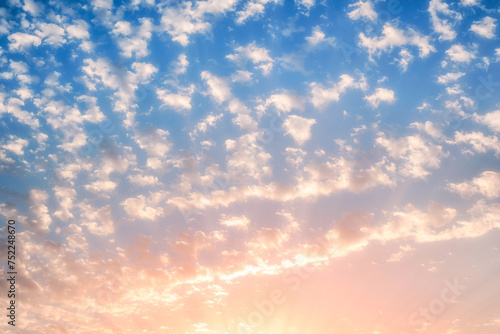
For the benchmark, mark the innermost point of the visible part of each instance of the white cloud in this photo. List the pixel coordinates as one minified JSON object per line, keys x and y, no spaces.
{"x":487,"y":184}
{"x":181,"y":65}
{"x":479,"y":142}
{"x":305,"y":4}
{"x":318,"y":37}
{"x":450,"y":77}
{"x":134,"y":43}
{"x":492,"y":120}
{"x":470,"y":2}
{"x":380,"y":95}
{"x":299,"y":128}
{"x":149,"y":208}
{"x":19,"y":41}
{"x":240,"y":222}
{"x":154,"y":142}
{"x":416,"y":154}
{"x":204,"y":124}
{"x":217,"y":87}
{"x":51,"y":34}
{"x":187,"y":19}
{"x":257,"y":55}
{"x":78,"y":30}
{"x":32,"y":7}
{"x":241,"y":76}
{"x":16,"y":145}
{"x":143,"y":180}
{"x":321,"y":97}
{"x":175,"y":101}
{"x":394,"y":37}
{"x":457,"y":53}
{"x":405,"y":60}
{"x":362,"y":10}
{"x":443,"y":26}
{"x":253,"y":9}
{"x":286,"y":102}
{"x":428,"y":128}
{"x":485,"y":28}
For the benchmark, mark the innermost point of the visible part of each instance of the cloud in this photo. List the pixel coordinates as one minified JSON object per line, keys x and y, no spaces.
{"x":241,"y":76}
{"x":143,"y":180}
{"x":148,"y":208}
{"x":175,"y":101}
{"x":443,"y":26}
{"x":299,"y":128}
{"x":253,"y":9}
{"x":479,"y":142}
{"x":218,"y":87}
{"x":318,"y":37}
{"x":239,"y":222}
{"x":51,"y":34}
{"x":405,"y":60}
{"x":19,"y":41}
{"x":485,"y":28}
{"x":450,"y":77}
{"x":487,"y":184}
{"x":362,"y":10}
{"x":286,"y":102}
{"x":79,"y":30}
{"x":492,"y":120}
{"x":188,"y":19}
{"x":394,"y":37}
{"x":380,"y":95}
{"x":321,"y":97}
{"x":457,"y":53}
{"x":416,"y":154}
{"x":204,"y":124}
{"x":16,"y":145}
{"x":257,"y":55}
{"x":134,"y":43}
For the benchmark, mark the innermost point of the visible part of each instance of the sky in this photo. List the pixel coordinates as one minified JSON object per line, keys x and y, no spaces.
{"x":251,"y":167}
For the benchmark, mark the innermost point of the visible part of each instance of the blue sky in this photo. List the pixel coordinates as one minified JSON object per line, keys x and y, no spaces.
{"x":172,"y":164}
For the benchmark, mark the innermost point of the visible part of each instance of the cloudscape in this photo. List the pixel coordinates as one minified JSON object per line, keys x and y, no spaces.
{"x":250,"y":167}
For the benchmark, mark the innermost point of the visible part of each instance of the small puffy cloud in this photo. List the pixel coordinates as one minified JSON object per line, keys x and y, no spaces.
{"x":204,"y":124}
{"x":394,"y":37}
{"x":241,"y":76}
{"x":16,"y":145}
{"x":362,"y":10}
{"x":51,"y":34}
{"x":218,"y":87}
{"x":306,"y":5}
{"x":459,"y":54}
{"x":492,"y":120}
{"x":416,"y":154}
{"x":487,"y":184}
{"x":148,"y":208}
{"x":253,"y":9}
{"x":380,"y":95}
{"x":143,"y":180}
{"x":299,"y":128}
{"x":485,"y":28}
{"x":175,"y":101}
{"x":428,"y":128}
{"x":240,"y":222}
{"x":188,"y":18}
{"x":79,"y":30}
{"x":286,"y":102}
{"x":322,"y":97}
{"x":450,"y":77}
{"x":405,"y":60}
{"x":154,"y":142}
{"x":181,"y":65}
{"x":479,"y":142}
{"x":318,"y":37}
{"x":32,"y":7}
{"x":470,"y":3}
{"x":19,"y":41}
{"x":257,"y":55}
{"x":443,"y":19}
